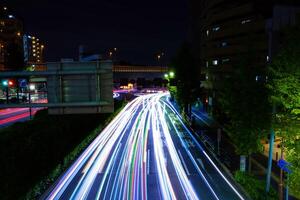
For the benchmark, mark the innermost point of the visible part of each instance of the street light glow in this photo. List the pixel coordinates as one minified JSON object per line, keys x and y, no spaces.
{"x":172,"y":74}
{"x":166,"y":76}
{"x":32,"y":87}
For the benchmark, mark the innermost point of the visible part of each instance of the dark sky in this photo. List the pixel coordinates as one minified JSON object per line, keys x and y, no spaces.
{"x":138,"y":28}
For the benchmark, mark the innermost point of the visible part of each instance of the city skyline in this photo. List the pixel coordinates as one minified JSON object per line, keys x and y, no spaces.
{"x":104,"y":25}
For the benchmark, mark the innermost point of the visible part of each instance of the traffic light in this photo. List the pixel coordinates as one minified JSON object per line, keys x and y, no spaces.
{"x":8,"y":83}
{"x":11,"y":83}
{"x":5,"y":83}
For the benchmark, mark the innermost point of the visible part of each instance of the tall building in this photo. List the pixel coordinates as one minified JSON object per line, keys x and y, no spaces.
{"x":11,"y":41}
{"x":33,"y":50}
{"x":226,"y":31}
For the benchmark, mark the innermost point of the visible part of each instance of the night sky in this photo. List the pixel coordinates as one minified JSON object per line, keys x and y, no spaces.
{"x":138,"y":28}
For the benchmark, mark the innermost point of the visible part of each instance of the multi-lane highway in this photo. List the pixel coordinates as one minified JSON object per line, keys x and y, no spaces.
{"x":11,"y":115}
{"x":146,"y":152}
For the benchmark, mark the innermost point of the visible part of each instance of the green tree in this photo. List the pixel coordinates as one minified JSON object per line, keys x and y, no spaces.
{"x":244,"y":100}
{"x":186,"y":73}
{"x":284,"y":73}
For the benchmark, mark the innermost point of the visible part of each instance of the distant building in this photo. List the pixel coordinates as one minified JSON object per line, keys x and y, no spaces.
{"x":33,"y":51}
{"x":223,"y":31}
{"x":11,"y":43}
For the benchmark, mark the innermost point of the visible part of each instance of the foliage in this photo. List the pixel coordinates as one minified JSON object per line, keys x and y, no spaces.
{"x":284,"y":73}
{"x":186,"y":74}
{"x":254,"y":187}
{"x":244,"y":99}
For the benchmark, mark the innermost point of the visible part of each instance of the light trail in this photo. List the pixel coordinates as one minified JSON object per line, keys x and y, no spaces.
{"x":122,"y":163}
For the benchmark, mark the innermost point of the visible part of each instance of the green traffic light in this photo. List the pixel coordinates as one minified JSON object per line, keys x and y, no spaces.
{"x":5,"y":83}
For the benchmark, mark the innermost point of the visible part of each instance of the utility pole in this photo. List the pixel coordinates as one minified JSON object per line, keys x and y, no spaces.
{"x":281,"y":173}
{"x":271,"y":145}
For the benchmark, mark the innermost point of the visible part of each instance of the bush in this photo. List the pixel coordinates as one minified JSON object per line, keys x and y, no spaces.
{"x":254,"y":187}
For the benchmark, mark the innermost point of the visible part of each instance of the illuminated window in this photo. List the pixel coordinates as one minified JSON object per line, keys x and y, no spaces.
{"x":224,"y":44}
{"x":207,"y":32}
{"x":225,"y":60}
{"x":215,"y":62}
{"x":216,"y":28}
{"x":246,"y":21}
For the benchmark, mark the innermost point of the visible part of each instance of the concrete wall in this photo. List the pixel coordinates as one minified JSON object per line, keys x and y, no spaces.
{"x":80,"y":87}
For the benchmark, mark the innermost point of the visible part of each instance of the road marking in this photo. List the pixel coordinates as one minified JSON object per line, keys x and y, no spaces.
{"x":148,"y":162}
{"x":184,"y":164}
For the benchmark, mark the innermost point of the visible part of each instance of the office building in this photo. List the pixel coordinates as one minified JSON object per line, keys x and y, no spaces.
{"x":226,"y":31}
{"x":33,"y":50}
{"x":11,"y":41}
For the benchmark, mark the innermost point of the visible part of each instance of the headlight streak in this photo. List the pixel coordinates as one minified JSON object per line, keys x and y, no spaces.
{"x":192,"y":159}
{"x":184,"y":181}
{"x":131,"y":171}
{"x":120,"y":157}
{"x":87,"y":180}
{"x":74,"y":169}
{"x":167,"y":191}
{"x":199,"y":146}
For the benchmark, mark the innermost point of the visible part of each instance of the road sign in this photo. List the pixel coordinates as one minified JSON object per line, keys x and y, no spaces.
{"x":284,"y":165}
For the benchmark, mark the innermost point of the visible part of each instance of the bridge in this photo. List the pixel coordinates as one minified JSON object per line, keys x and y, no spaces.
{"x":72,"y":87}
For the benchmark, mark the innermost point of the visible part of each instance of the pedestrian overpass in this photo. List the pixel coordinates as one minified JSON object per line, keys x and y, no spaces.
{"x":72,"y":87}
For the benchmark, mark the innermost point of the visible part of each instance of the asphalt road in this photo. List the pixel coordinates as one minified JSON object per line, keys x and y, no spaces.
{"x":12,"y":115}
{"x":146,"y":152}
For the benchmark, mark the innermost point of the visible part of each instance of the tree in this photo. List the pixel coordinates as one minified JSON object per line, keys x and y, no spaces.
{"x":244,"y":100}
{"x":284,"y":84}
{"x":186,"y":74}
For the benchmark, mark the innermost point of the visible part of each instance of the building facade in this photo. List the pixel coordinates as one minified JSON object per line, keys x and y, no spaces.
{"x":225,"y":32}
{"x":33,"y":51}
{"x":11,"y":41}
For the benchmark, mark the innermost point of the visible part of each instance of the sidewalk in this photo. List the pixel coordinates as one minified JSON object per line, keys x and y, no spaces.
{"x":227,"y":155}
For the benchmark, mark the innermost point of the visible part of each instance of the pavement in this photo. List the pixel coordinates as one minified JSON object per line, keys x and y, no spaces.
{"x":146,"y":152}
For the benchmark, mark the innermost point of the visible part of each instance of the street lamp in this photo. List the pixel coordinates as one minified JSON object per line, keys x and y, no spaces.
{"x":166,"y":76}
{"x":172,"y":74}
{"x":32,"y":87}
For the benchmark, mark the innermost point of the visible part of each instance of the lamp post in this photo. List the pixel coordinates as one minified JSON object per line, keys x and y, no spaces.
{"x":31,"y":88}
